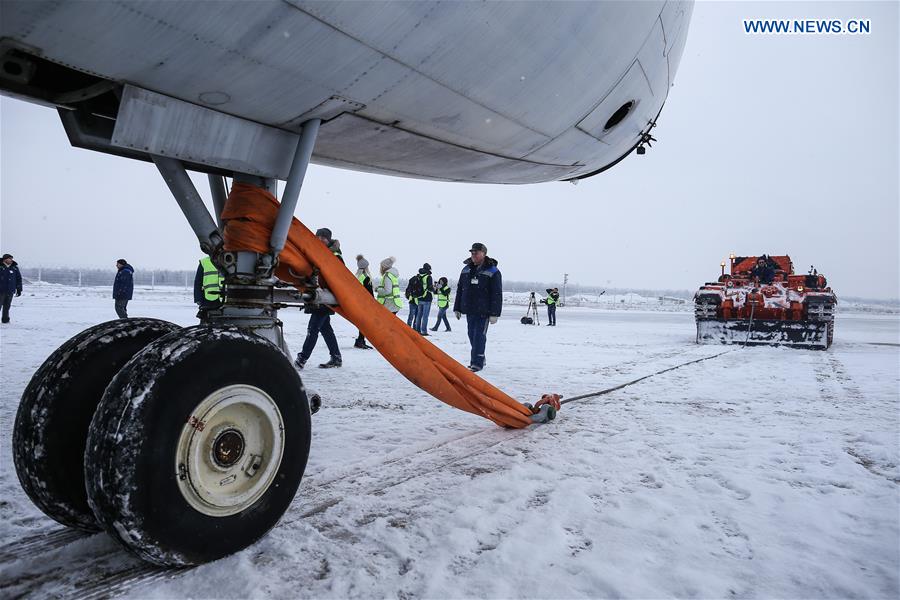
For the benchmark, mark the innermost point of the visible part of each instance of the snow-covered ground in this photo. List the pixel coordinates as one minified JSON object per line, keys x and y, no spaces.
{"x":764,"y":472}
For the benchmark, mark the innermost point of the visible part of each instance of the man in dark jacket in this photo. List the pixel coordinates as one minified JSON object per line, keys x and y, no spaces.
{"x":763,"y":270}
{"x":10,"y":284}
{"x":412,"y":298}
{"x":123,"y":287}
{"x":424,"y":300}
{"x":320,"y":318}
{"x":479,"y":295}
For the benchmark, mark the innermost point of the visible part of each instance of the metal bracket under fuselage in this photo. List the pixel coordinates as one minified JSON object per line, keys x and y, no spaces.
{"x":253,"y":295}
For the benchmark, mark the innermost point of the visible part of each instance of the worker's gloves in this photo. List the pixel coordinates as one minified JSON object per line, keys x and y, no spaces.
{"x":493,"y":320}
{"x":18,"y":293}
{"x":458,"y":315}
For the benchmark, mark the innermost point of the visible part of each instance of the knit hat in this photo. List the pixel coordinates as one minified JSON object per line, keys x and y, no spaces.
{"x":361,"y":262}
{"x":5,"y":256}
{"x":388,"y":263}
{"x":121,"y":261}
{"x":324,"y":232}
{"x":426,"y":266}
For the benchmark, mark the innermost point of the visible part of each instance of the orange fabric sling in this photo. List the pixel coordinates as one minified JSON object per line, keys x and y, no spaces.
{"x":249,"y":216}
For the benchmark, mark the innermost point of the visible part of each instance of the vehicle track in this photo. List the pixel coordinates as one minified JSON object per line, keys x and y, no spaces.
{"x":36,"y":543}
{"x":626,"y":367}
{"x":837,"y":386}
{"x":103,"y":569}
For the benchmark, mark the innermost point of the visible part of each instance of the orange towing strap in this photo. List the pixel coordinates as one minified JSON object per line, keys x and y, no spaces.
{"x":249,"y":216}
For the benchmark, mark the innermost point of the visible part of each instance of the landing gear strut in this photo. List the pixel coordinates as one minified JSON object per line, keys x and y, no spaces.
{"x":194,"y":449}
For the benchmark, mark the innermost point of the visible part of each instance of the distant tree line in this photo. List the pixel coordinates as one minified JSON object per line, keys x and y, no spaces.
{"x":99,"y":277}
{"x":173,"y":278}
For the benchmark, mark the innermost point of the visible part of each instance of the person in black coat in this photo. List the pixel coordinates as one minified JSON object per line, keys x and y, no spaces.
{"x":123,"y":287}
{"x":424,"y":300}
{"x":10,"y":284}
{"x":763,"y":270}
{"x":320,"y":317}
{"x":479,"y":295}
{"x":365,"y":278}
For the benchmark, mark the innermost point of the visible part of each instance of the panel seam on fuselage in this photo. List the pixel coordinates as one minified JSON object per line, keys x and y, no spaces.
{"x":417,"y":71}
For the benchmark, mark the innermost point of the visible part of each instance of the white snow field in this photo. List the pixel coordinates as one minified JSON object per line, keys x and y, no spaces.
{"x":760,"y":473}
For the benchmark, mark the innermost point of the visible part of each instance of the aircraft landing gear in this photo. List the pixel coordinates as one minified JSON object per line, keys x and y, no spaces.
{"x":56,"y":409}
{"x":198,"y":446}
{"x":186,"y":445}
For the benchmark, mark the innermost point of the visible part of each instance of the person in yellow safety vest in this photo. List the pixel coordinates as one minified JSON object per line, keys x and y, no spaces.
{"x":362,"y":274}
{"x":443,"y":300}
{"x":388,"y":293}
{"x":207,"y":287}
{"x":551,"y":301}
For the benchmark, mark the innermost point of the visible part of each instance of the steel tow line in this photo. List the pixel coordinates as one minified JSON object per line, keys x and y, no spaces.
{"x":749,"y":325}
{"x":619,"y":387}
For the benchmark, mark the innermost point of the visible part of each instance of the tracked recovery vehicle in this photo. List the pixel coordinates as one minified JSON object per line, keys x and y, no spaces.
{"x":762,"y":302}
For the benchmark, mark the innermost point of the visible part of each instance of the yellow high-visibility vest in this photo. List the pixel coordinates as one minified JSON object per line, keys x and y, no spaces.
{"x":212,"y":280}
{"x":396,"y":296}
{"x":443,"y":297}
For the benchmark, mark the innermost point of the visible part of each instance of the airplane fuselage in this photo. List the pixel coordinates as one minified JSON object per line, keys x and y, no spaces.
{"x":496,"y":92}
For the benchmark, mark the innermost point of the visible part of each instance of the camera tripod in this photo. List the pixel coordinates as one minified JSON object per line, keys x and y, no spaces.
{"x":531,"y":313}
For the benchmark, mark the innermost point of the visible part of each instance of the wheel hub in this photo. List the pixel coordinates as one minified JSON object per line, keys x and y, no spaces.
{"x":229,"y":450}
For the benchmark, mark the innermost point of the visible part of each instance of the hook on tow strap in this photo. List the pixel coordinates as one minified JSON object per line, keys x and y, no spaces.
{"x":546,"y":408}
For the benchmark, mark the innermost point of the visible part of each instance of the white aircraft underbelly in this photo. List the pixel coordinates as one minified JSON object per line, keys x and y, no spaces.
{"x":500,"y":92}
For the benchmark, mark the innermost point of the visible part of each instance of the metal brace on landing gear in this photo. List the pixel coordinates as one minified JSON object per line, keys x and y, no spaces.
{"x":252,"y":294}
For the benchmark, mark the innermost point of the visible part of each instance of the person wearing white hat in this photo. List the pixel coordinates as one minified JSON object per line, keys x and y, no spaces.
{"x":388,"y":292}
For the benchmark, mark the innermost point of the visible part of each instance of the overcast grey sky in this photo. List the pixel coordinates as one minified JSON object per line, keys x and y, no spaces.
{"x":775,"y":144}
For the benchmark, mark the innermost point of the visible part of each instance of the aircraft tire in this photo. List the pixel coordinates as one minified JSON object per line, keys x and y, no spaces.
{"x":198,"y":446}
{"x":55,"y":413}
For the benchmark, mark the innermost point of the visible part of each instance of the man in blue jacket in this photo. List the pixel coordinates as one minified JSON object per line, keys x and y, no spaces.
{"x":123,"y":287}
{"x":10,"y":284}
{"x":479,"y":295}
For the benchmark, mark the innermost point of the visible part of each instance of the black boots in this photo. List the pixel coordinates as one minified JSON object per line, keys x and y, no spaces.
{"x":334,"y":363}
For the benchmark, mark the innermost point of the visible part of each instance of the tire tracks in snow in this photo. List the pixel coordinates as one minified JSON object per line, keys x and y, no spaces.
{"x":95,"y":566}
{"x":59,"y":559}
{"x":628,"y":366}
{"x":832,"y":374}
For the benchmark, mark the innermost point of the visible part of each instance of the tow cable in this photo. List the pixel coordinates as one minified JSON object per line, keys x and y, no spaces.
{"x":750,"y":325}
{"x":547,"y":407}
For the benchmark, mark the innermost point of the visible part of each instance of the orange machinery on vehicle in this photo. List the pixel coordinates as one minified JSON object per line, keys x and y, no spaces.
{"x":791,"y":310}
